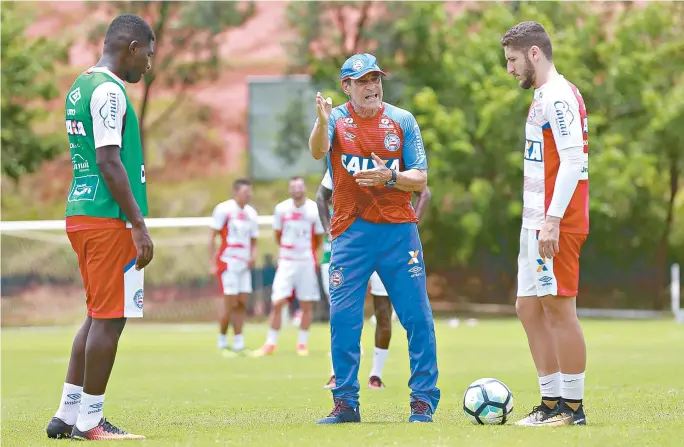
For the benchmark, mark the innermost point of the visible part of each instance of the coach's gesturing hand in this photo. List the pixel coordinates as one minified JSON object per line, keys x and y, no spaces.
{"x":323,"y":107}
{"x":377,"y":176}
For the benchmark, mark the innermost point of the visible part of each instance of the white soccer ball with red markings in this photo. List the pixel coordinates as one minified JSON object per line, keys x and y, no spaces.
{"x":488,"y":402}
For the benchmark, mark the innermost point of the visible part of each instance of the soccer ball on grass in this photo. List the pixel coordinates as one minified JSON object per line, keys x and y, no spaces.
{"x":487,"y":402}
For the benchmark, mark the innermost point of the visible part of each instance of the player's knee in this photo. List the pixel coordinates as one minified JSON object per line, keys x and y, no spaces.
{"x":559,"y":311}
{"x":528,"y":309}
{"x":105,"y":333}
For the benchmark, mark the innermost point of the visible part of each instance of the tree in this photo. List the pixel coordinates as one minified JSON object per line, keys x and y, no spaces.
{"x":188,"y":38}
{"x":628,"y":64}
{"x":294,"y":132}
{"x":27,"y":66}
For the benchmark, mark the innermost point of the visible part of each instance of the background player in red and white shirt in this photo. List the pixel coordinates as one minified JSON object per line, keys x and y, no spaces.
{"x":235,"y":222}
{"x":299,"y":233}
{"x":555,"y":225}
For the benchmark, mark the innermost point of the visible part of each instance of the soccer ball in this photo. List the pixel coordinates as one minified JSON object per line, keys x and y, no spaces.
{"x":487,"y":402}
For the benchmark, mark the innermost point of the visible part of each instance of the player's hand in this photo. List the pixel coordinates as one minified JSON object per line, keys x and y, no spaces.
{"x":143,"y":245}
{"x":323,"y":108}
{"x":548,"y":237}
{"x":377,"y":176}
{"x":251,"y":263}
{"x":213,"y":270}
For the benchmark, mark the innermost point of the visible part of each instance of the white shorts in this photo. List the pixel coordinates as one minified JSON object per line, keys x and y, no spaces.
{"x":236,"y":279}
{"x":377,"y":288}
{"x":559,"y":276}
{"x":299,"y":276}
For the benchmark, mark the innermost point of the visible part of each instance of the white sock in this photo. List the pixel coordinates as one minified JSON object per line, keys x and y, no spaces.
{"x":573,"y":387}
{"x":379,"y":357}
{"x":91,"y":411}
{"x":222,"y":341}
{"x":550,"y":386}
{"x":303,"y":337}
{"x":238,"y":342}
{"x":70,"y":404}
{"x":272,"y":337}
{"x":332,"y":369}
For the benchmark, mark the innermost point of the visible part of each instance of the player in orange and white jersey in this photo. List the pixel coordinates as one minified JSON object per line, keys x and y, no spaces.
{"x":235,"y":222}
{"x":299,"y":233}
{"x":555,"y":224}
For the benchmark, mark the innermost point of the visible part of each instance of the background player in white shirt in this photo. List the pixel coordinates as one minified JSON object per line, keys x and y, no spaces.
{"x":555,"y":224}
{"x":381,"y":301}
{"x":299,"y":233}
{"x":235,"y":223}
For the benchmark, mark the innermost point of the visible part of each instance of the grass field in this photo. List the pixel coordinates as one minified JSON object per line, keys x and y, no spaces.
{"x":170,"y":384}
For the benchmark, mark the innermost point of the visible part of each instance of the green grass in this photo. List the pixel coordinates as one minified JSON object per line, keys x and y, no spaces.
{"x":170,"y":384}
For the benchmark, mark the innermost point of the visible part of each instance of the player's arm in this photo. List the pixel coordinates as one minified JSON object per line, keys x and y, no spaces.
{"x":107,"y":109}
{"x":564,"y":119}
{"x":323,"y":196}
{"x":218,"y":220}
{"x":414,"y":176}
{"x":318,"y":233}
{"x":424,"y":197}
{"x":323,"y":132}
{"x":253,"y":241}
{"x":277,"y":225}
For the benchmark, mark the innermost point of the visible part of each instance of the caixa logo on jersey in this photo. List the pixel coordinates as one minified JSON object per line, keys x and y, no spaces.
{"x":533,"y":151}
{"x":75,"y":127}
{"x":355,"y":163}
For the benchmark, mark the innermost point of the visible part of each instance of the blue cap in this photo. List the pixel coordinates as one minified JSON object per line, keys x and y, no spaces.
{"x":359,"y":65}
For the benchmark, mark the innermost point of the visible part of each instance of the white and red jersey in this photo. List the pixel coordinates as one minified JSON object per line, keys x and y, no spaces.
{"x":298,"y":227}
{"x":557,"y":121}
{"x":238,"y":226}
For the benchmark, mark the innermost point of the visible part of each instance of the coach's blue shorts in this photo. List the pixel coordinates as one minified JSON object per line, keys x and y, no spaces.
{"x":395,"y":252}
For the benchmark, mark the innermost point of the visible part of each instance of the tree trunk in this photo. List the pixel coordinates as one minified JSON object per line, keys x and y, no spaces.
{"x":150,"y":78}
{"x":661,"y":253}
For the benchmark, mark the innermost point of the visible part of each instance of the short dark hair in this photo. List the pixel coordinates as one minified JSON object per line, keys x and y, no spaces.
{"x":525,"y":35}
{"x":126,"y":28}
{"x":296,"y":177}
{"x":241,"y":182}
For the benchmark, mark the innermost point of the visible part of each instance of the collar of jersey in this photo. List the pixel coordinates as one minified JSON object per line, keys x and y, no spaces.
{"x":355,"y":116}
{"x":107,"y":71}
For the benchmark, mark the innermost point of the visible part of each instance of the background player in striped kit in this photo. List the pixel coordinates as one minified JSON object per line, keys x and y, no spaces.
{"x":235,"y":222}
{"x":376,"y":159}
{"x":382,"y":305}
{"x":555,"y":224}
{"x":299,"y":233}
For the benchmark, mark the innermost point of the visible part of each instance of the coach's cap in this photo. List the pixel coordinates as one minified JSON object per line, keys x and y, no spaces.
{"x":360,"y":65}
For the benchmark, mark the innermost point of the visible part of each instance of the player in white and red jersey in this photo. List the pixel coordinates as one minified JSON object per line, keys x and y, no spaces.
{"x":299,"y":233}
{"x":555,"y":224}
{"x":235,"y":222}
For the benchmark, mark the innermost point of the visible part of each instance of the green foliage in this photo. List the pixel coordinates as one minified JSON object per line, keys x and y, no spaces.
{"x":188,"y":40}
{"x":294,"y":132}
{"x":27,"y":66}
{"x":628,"y":62}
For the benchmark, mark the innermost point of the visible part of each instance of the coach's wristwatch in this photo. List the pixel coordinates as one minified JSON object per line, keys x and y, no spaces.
{"x":393,"y":180}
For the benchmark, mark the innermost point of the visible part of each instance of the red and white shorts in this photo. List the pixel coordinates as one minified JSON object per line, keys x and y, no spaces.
{"x":559,"y":276}
{"x":235,"y":277}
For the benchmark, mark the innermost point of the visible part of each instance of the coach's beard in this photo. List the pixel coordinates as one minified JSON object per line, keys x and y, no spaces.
{"x":528,"y":75}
